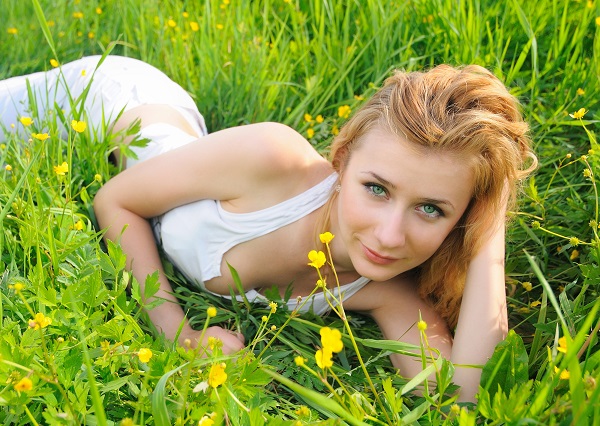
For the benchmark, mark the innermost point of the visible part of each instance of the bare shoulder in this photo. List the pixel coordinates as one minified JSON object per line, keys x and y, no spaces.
{"x":250,"y":166}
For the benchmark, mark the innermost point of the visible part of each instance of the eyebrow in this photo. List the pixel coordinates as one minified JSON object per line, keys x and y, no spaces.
{"x":392,"y":186}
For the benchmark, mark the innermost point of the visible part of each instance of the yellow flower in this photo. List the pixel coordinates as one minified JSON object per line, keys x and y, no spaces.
{"x":24,"y":385}
{"x":587,"y":173}
{"x":98,"y":11}
{"x":185,"y":15}
{"x":217,"y":375}
{"x":220,"y":26}
{"x":265,"y":318}
{"x":535,"y":303}
{"x":317,"y":258}
{"x":78,"y":126}
{"x":214,"y":342}
{"x":127,"y":422}
{"x":310,"y":133}
{"x":77,"y":15}
{"x":319,"y":118}
{"x":98,"y":177}
{"x":455,"y":409}
{"x":211,"y":312}
{"x":91,"y":35}
{"x":54,"y":62}
{"x":83,"y":73}
{"x":78,"y":225}
{"x":40,"y":321}
{"x":273,"y":327}
{"x":61,"y":169}
{"x":206,"y":421}
{"x":8,"y":167}
{"x":303,"y":411}
{"x":335,"y":130}
{"x":323,"y":358}
{"x":19,"y":287}
{"x":144,"y":354}
{"x":331,"y":338}
{"x":308,"y":118}
{"x":527,"y":285}
{"x":574,"y":254}
{"x":40,"y":136}
{"x":578,"y":115}
{"x":299,"y":360}
{"x":326,"y":237}
{"x":597,"y":20}
{"x":562,"y":345}
{"x":26,"y":121}
{"x":273,"y":307}
{"x":574,"y":241}
{"x":564,"y":375}
{"x":194,"y":26}
{"x":12,"y":31}
{"x":171,"y":23}
{"x":422,"y":325}
{"x":321,"y":284}
{"x":580,"y":92}
{"x":344,"y":111}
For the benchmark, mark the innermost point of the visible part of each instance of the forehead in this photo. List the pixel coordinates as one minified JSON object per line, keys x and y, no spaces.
{"x":436,"y":173}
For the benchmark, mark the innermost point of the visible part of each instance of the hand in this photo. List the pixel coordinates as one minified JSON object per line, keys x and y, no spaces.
{"x":232,"y":341}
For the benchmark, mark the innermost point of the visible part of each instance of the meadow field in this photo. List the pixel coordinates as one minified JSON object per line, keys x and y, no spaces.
{"x":75,"y":345}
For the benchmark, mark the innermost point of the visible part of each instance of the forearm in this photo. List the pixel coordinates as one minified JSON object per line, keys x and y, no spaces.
{"x":137,"y":241}
{"x":482,"y":322}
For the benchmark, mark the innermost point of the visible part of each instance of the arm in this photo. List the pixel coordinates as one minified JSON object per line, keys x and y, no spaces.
{"x":226,"y":165}
{"x":482,"y":322}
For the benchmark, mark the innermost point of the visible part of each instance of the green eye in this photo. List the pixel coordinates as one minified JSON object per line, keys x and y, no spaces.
{"x":431,"y":210}
{"x":377,"y":190}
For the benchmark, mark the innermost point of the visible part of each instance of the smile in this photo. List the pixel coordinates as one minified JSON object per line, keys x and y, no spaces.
{"x":376,"y":257}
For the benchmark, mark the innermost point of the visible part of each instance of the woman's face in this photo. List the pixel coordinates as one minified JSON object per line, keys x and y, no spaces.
{"x":396,"y":205}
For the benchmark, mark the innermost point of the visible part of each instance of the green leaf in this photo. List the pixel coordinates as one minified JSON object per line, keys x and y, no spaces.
{"x":507,"y":367}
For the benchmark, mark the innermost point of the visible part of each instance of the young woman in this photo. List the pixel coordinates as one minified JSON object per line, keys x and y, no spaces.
{"x":416,"y":193}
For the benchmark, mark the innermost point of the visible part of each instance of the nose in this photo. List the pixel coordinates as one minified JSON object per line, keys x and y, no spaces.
{"x":391,"y":230}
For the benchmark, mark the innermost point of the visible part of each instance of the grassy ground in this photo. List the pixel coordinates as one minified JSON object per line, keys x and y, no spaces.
{"x":86,"y":360}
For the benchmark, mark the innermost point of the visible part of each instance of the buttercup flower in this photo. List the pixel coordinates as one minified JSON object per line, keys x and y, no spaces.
{"x":61,"y":169}
{"x":144,"y":354}
{"x":574,"y":241}
{"x":24,"y":385}
{"x":78,"y":126}
{"x":265,"y":318}
{"x":217,"y":375}
{"x":54,"y":62}
{"x":310,"y":133}
{"x":171,"y":23}
{"x":194,"y":26}
{"x":578,"y":115}
{"x":580,"y":92}
{"x":303,"y":411}
{"x":19,"y":287}
{"x":564,"y":375}
{"x":331,"y":338}
{"x":527,"y":285}
{"x":308,"y":118}
{"x":273,"y":307}
{"x":323,"y":358}
{"x":98,"y":177}
{"x":319,"y":118}
{"x":422,"y":325}
{"x":206,"y":421}
{"x":211,"y":312}
{"x":299,"y":360}
{"x":344,"y":111}
{"x":574,"y":255}
{"x":40,"y":136}
{"x":214,"y":342}
{"x":127,"y":422}
{"x":78,"y":225}
{"x":562,"y":345}
{"x":8,"y":167}
{"x":77,"y":15}
{"x":326,"y":237}
{"x":317,"y":258}
{"x":12,"y":31}
{"x":26,"y":121}
{"x":321,"y":284}
{"x":40,"y":321}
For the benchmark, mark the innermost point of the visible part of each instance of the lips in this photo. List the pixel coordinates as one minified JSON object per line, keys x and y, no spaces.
{"x":377,"y":258}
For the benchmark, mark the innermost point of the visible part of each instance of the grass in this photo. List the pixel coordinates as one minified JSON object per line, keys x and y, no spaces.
{"x":245,"y":62}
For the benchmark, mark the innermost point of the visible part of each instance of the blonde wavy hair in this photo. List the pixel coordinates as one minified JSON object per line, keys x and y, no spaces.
{"x":467,"y":112}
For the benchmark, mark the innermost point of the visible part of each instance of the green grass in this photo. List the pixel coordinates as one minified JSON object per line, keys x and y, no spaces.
{"x":274,"y":60}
